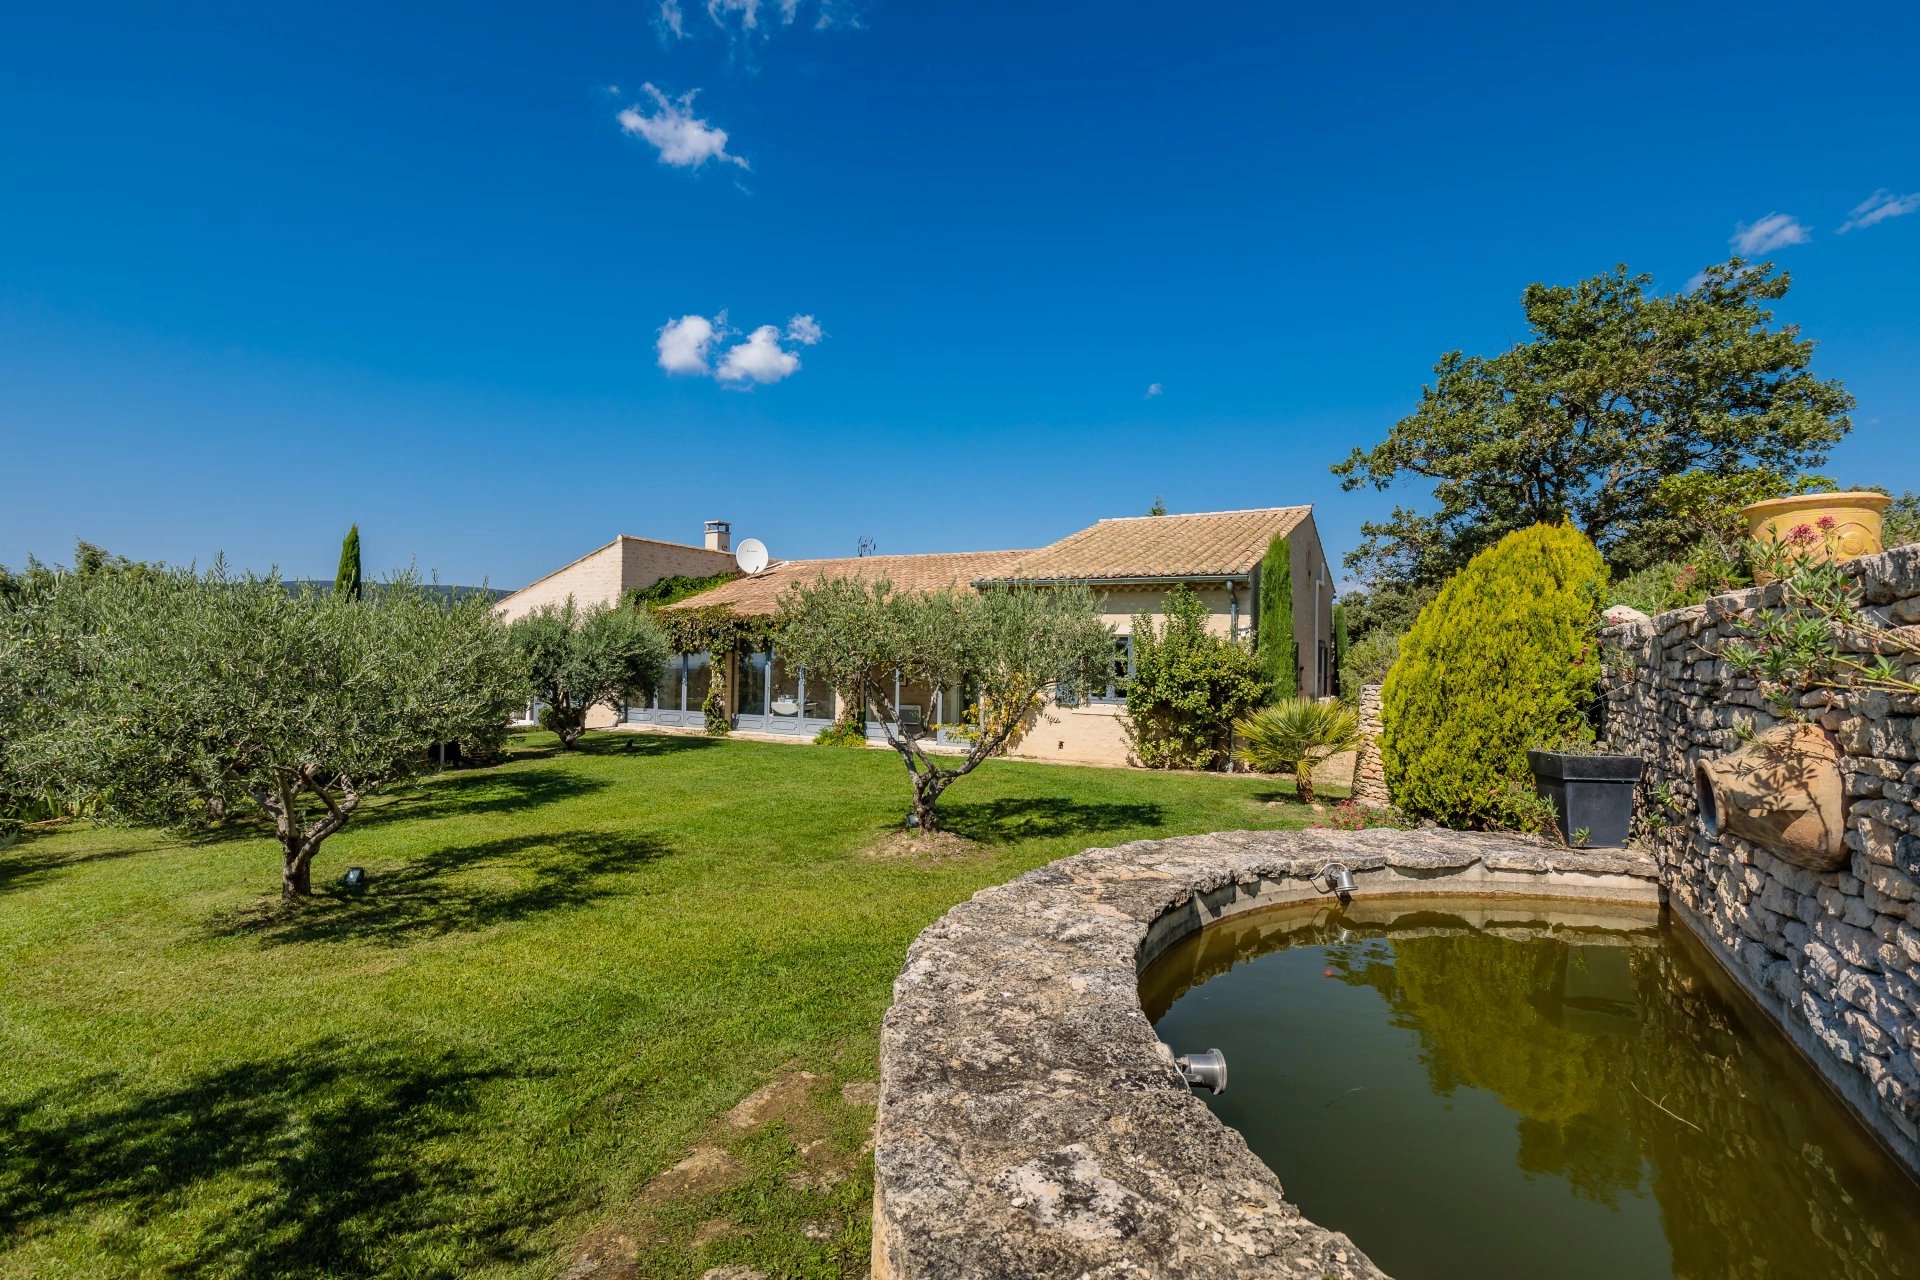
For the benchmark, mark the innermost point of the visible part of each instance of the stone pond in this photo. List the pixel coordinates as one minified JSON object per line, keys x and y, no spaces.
{"x":1032,"y":1123}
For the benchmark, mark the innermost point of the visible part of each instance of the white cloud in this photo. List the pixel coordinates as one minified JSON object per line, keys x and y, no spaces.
{"x":760,"y":358}
{"x":683,"y":139}
{"x":1775,"y":231}
{"x":683,"y":343}
{"x":746,"y":11}
{"x":1879,"y":207}
{"x":1153,"y":389}
{"x":688,"y":345}
{"x":672,"y":21}
{"x":748,"y":17}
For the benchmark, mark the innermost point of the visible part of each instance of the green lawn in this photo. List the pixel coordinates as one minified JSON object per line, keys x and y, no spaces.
{"x":562,"y":975}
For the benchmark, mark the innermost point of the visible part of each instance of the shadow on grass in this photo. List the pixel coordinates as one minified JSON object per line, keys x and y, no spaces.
{"x":481,"y":791}
{"x":1004,"y":821}
{"x":467,"y":887}
{"x":1288,"y":795}
{"x":29,"y":861}
{"x":623,"y":743}
{"x":325,"y":1162}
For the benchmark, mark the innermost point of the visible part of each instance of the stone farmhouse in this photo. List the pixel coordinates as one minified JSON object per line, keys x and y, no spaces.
{"x":1130,"y":562}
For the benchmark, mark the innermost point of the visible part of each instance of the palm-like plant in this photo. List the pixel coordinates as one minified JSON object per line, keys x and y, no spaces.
{"x":1295,"y":734}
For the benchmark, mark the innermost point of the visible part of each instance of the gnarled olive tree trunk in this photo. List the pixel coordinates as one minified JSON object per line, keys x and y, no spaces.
{"x":301,"y":839}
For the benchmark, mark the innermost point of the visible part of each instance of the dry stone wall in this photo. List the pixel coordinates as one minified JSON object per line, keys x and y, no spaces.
{"x":1369,"y":770}
{"x":1835,"y":956}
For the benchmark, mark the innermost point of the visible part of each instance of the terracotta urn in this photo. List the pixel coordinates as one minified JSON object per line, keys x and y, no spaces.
{"x":1854,"y":531}
{"x":1783,"y":792}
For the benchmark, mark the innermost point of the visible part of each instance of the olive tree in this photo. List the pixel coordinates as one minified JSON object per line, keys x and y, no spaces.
{"x":582,"y":658}
{"x":1014,"y":645}
{"x":178,"y":699}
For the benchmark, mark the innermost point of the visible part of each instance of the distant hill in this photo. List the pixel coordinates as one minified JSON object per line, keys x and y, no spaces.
{"x":442,"y":590}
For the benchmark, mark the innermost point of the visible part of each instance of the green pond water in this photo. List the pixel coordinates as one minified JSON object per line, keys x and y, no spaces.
{"x":1505,"y":1090}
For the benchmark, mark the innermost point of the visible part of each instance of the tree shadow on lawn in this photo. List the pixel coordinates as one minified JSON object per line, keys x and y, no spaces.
{"x":490,"y":791}
{"x":1007,"y":820}
{"x":30,"y":861}
{"x":314,"y":1163}
{"x":616,"y":743}
{"x":468,"y":887}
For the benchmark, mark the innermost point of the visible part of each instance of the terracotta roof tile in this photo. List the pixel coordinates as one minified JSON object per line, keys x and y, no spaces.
{"x":1210,"y":544}
{"x":940,"y":571}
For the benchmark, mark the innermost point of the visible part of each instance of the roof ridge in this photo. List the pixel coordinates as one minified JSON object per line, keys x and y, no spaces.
{"x":1176,"y":515}
{"x":907,"y":555}
{"x":658,"y":542}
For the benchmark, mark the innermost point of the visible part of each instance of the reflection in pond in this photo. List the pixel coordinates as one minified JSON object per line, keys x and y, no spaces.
{"x":1508,"y":1089}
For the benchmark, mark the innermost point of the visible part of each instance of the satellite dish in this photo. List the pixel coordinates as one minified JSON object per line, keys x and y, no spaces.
{"x":751,"y":556}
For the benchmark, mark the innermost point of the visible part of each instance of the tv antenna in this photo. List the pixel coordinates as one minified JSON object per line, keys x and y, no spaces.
{"x":867,"y":547}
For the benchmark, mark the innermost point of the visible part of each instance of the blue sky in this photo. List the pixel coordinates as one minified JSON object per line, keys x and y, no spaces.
{"x":267,"y":270}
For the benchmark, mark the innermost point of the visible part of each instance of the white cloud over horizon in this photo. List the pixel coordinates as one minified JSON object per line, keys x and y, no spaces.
{"x":682,"y":139}
{"x":686,"y":346}
{"x":1775,"y":231}
{"x":1881,"y":206}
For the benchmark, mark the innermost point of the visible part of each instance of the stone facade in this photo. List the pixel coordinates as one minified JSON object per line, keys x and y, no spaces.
{"x":1032,"y":1124}
{"x":604,"y":575}
{"x":1369,"y":770}
{"x":1834,"y":956}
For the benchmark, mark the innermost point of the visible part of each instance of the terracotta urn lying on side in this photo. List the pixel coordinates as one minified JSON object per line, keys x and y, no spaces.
{"x":1855,"y":530}
{"x":1783,"y":792}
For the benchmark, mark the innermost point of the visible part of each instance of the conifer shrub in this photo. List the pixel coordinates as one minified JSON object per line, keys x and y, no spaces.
{"x":1340,"y":690}
{"x":1501,"y":660}
{"x":1273,"y":635}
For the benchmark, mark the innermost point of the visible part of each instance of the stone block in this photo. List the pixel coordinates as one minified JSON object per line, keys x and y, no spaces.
{"x":1822,"y":960}
{"x":1890,"y":883}
{"x":1855,"y":946}
{"x":1877,"y":841}
{"x":1866,"y":1034}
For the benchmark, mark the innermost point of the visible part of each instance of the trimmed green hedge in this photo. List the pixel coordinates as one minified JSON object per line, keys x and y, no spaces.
{"x":1503,"y":659}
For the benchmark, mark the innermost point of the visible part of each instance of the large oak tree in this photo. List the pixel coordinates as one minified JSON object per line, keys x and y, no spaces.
{"x":1641,"y":418}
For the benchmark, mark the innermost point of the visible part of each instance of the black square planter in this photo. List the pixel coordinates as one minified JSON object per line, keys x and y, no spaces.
{"x":1589,"y":791}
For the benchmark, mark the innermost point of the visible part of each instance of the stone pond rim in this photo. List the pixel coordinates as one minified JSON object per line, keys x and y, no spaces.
{"x":1031,"y":1124}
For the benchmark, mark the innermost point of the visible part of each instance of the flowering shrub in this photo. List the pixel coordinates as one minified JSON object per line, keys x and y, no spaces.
{"x":1351,"y":815}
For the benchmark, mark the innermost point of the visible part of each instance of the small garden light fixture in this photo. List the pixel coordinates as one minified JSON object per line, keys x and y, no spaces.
{"x":1204,"y":1070}
{"x":355,"y":878}
{"x":1339,"y":878}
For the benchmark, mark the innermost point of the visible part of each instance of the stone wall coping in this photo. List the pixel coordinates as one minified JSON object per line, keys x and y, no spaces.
{"x":1884,"y":577}
{"x":1031,"y":1124}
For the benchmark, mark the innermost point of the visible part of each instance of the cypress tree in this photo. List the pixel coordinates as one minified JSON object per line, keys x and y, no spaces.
{"x":1273,"y":632}
{"x":1340,"y":648}
{"x":346,"y":581}
{"x":1503,"y":659}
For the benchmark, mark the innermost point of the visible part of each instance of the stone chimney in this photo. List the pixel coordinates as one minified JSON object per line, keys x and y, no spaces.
{"x":719,"y":535}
